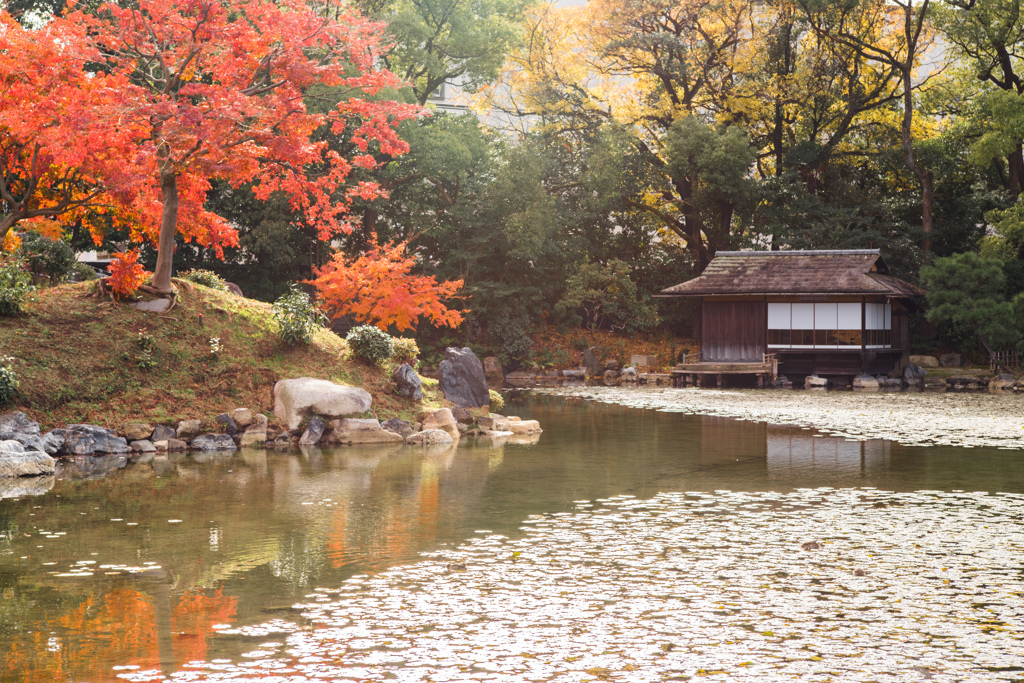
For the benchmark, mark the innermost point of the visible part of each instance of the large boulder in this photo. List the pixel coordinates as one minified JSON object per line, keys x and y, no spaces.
{"x":398,"y":426}
{"x":163,"y":433}
{"x":525,"y":427}
{"x":924,"y":361}
{"x":89,"y":439}
{"x":1003,"y":382}
{"x":493,"y":423}
{"x":356,"y":430}
{"x":913,"y":375}
{"x":407,"y":382}
{"x":444,"y":420}
{"x":230,"y":428}
{"x":294,"y":399}
{"x":52,"y":443}
{"x":16,"y":426}
{"x":15,"y":461}
{"x":462,"y":378}
{"x":430,"y":437}
{"x":593,"y":366}
{"x":815,"y":382}
{"x":494,"y":373}
{"x":213,"y":442}
{"x":628,"y":374}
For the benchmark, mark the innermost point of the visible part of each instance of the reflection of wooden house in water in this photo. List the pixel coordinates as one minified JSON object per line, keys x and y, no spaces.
{"x":815,"y":312}
{"x":796,"y":454}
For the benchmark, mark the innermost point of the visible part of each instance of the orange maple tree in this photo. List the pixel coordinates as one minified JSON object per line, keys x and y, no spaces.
{"x":378,"y":287}
{"x":126,"y":273}
{"x":65,"y":149}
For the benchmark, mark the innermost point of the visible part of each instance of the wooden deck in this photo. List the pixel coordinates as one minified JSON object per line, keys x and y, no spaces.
{"x":694,"y":372}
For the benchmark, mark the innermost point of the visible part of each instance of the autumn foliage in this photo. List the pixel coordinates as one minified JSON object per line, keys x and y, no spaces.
{"x":126,"y":273}
{"x":378,"y":287}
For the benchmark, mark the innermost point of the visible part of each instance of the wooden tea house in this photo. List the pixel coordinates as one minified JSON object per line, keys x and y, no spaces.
{"x":798,"y":313}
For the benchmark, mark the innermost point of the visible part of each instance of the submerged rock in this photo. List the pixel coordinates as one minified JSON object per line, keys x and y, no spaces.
{"x":356,"y":430}
{"x":430,"y":437}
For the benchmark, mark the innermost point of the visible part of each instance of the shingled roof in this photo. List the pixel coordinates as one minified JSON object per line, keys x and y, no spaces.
{"x":851,"y":271}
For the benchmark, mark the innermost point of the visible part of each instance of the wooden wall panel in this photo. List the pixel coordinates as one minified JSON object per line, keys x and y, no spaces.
{"x":733,"y":331}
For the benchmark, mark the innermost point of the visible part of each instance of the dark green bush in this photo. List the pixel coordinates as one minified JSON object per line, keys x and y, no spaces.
{"x":15,"y":286}
{"x":370,"y":345}
{"x":8,"y":380}
{"x":205,"y":277}
{"x":51,"y":258}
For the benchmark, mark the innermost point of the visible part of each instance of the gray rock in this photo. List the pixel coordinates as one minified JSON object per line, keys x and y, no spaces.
{"x":628,"y":374}
{"x":462,"y":378}
{"x":913,"y":373}
{"x":16,"y":426}
{"x":611,"y":374}
{"x":89,"y":439}
{"x":865,"y":383}
{"x":813,"y":381}
{"x":176,"y":445}
{"x":430,"y":437}
{"x":314,"y":432}
{"x":163,"y":433}
{"x":136,"y":431}
{"x":890,"y":381}
{"x":242,"y":417}
{"x":294,"y":399}
{"x":407,"y":382}
{"x":951,"y":360}
{"x":357,"y":430}
{"x":188,"y":429}
{"x":397,"y":426}
{"x":611,"y":365}
{"x":213,"y":442}
{"x":52,"y":443}
{"x":234,"y":289}
{"x":591,"y":363}
{"x":575,"y":373}
{"x":15,"y":461}
{"x":230,"y":428}
{"x":143,"y":446}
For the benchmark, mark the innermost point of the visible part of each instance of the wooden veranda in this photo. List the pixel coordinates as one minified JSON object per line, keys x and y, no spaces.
{"x":695,"y":372}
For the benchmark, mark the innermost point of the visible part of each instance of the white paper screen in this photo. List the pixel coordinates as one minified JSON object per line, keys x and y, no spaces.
{"x":779,"y":316}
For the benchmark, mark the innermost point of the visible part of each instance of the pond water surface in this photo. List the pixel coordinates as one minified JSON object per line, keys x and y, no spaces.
{"x":624,"y":544}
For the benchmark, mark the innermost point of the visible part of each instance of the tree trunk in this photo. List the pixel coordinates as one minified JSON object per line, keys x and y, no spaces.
{"x":168,"y":227}
{"x":1015,"y":183}
{"x":6,"y":223}
{"x":927,"y":191}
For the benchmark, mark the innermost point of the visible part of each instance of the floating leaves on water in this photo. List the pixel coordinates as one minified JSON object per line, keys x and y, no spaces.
{"x":733,"y":599}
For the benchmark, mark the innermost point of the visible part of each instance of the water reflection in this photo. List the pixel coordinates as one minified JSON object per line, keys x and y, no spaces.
{"x":137,"y":568}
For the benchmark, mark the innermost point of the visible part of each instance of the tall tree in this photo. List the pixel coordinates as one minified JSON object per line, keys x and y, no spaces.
{"x":221,"y":88}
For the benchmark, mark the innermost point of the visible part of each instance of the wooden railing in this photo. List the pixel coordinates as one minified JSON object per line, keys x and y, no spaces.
{"x":690,"y":358}
{"x":1003,"y":360}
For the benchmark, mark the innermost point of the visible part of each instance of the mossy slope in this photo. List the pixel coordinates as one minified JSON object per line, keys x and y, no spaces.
{"x":78,"y":360}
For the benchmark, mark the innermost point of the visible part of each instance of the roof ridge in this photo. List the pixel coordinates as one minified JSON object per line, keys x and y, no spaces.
{"x":801,"y":252}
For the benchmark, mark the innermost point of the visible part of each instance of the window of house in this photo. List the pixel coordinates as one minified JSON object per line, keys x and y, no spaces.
{"x":829,"y":325}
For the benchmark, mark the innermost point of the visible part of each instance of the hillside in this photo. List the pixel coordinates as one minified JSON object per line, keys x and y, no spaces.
{"x":80,"y":358}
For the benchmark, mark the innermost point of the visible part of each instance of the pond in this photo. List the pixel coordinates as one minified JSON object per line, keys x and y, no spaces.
{"x":624,"y":544}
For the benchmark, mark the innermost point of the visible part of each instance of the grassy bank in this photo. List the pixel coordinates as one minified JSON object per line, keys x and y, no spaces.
{"x":83,"y":359}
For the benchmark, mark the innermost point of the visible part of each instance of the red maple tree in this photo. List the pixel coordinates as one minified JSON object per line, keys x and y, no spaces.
{"x":66,"y":150}
{"x":378,"y":287}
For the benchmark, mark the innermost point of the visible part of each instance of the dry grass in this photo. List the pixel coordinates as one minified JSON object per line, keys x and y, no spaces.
{"x":77,"y":357}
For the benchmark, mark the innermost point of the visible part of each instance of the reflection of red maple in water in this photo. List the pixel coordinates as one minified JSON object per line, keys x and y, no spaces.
{"x":118,"y":628}
{"x":193,"y":619}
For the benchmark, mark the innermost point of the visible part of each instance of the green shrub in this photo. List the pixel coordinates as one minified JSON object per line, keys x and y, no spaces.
{"x":145,"y":346}
{"x":51,"y":258}
{"x":15,"y":285}
{"x":370,"y":345}
{"x":511,"y":330}
{"x":82,"y":272}
{"x":205,"y":277}
{"x":497,"y":401}
{"x":297,"y":317}
{"x":405,"y":350}
{"x":8,"y":380}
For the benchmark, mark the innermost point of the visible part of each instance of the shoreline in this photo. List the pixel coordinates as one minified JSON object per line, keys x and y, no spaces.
{"x":969,"y":420}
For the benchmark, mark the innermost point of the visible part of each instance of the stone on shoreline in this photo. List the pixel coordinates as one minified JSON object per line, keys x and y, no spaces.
{"x":314,"y":432}
{"x":230,"y":428}
{"x":865,"y":383}
{"x":525,"y":427}
{"x":142,"y":446}
{"x":163,"y":433}
{"x":188,"y":429}
{"x":242,"y":417}
{"x":462,"y":378}
{"x":351,"y":430}
{"x":430,"y":437}
{"x":444,"y":420}
{"x":294,"y":399}
{"x":407,"y":382}
{"x":81,"y":439}
{"x":15,"y":461}
{"x":136,"y":431}
{"x":213,"y":442}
